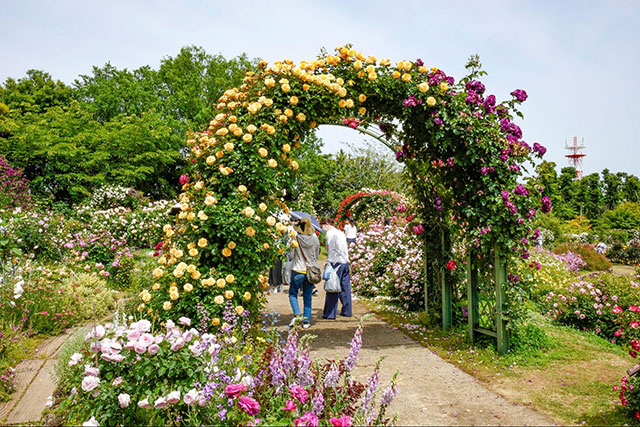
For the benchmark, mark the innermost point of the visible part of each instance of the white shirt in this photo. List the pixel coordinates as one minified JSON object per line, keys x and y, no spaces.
{"x":337,"y":250}
{"x":351,"y":231}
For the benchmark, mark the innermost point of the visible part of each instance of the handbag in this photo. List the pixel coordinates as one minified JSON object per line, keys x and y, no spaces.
{"x":331,"y":280}
{"x":314,"y":275}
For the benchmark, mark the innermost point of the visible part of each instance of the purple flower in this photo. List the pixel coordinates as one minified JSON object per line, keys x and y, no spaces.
{"x":521,"y":190}
{"x":546,"y":204}
{"x":476,"y":86}
{"x":419,"y":62}
{"x":356,"y":344}
{"x":438,"y":121}
{"x":484,"y":170}
{"x":539,"y":149}
{"x":520,"y":95}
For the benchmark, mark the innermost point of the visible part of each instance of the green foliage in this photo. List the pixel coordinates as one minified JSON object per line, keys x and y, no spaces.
{"x":63,"y":373}
{"x":594,"y":260}
{"x":89,"y":292}
{"x":625,"y":216}
{"x":530,"y":338}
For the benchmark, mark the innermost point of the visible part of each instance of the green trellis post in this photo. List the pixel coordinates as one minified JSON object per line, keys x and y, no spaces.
{"x":501,"y":333}
{"x":500,"y":270}
{"x":444,"y":280}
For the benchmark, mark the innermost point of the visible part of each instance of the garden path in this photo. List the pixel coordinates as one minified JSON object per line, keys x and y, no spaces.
{"x":34,"y":384}
{"x":432,"y":391}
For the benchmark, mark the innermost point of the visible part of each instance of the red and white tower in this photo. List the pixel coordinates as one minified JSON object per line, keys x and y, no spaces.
{"x":575,"y":158}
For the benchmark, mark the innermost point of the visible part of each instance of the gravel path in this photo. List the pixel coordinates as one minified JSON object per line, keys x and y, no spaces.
{"x":432,"y":391}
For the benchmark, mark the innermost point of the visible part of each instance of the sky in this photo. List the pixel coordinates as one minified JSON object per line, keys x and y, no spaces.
{"x":578,"y":60}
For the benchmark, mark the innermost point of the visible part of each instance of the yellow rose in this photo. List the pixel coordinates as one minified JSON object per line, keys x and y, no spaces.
{"x":191,"y":268}
{"x":215,"y":321}
{"x":232,"y":245}
{"x":362,"y":97}
{"x":193,"y":252}
{"x":167,"y":305}
{"x":249,"y":231}
{"x":271,"y":221}
{"x":396,"y":74}
{"x":357,"y":65}
{"x":166,"y":228}
{"x":266,"y":246}
{"x":226,"y":252}
{"x":188,"y":287}
{"x":305,"y":86}
{"x":293,"y":100}
{"x":221,"y":283}
{"x":222,"y":131}
{"x":251,"y":128}
{"x":423,"y":69}
{"x":228,"y":294}
{"x":228,"y":146}
{"x":230,"y":278}
{"x":211,"y":160}
{"x":162,"y":260}
{"x":239,"y":310}
{"x":262,"y":152}
{"x":174,"y":295}
{"x":294,"y":165}
{"x":288,"y":112}
{"x":349,"y":103}
{"x":158,"y":273}
{"x":342,"y":103}
{"x":406,"y":77}
{"x":443,"y":86}
{"x":262,"y":207}
{"x":219,"y":299}
{"x":372,"y":76}
{"x":209,"y":200}
{"x":272,"y":163}
{"x":203,"y":216}
{"x":431,"y":101}
{"x":242,"y":188}
{"x":285,"y":88}
{"x":248,"y":211}
{"x":269,"y":82}
{"x":145,"y":295}
{"x":178,"y":253}
{"x":247,"y":296}
{"x":283,"y":118}
{"x":301,"y":117}
{"x":247,"y":138}
{"x":362,"y":111}
{"x":219,"y":154}
{"x":202,"y":242}
{"x":155,"y":286}
{"x":178,"y":272}
{"x":423,"y":87}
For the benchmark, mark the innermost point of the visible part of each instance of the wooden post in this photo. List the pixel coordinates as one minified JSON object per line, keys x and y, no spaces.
{"x":472,"y":297}
{"x":500,"y":270}
{"x":445,"y":286}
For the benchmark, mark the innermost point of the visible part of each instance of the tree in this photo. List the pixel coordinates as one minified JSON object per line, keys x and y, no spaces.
{"x":568,"y":193}
{"x":631,"y":189}
{"x":625,"y":217}
{"x":35,"y":93}
{"x":589,"y":196}
{"x":612,"y":186}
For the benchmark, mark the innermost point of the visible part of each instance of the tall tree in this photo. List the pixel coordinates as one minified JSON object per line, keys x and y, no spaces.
{"x":568,"y":191}
{"x":612,"y":187}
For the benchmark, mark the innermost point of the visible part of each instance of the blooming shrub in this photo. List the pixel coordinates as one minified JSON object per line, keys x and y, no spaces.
{"x":573,"y":261}
{"x":14,"y":189}
{"x":111,"y":196}
{"x":594,"y":260}
{"x":7,"y":384}
{"x":133,"y":374}
{"x":628,"y":334}
{"x":386,"y":260}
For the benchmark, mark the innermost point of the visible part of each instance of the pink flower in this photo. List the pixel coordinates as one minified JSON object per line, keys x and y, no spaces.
{"x":309,"y":419}
{"x":290,"y":406}
{"x":191,"y":397}
{"x":184,"y":321}
{"x":451,"y":265}
{"x":249,"y":405}
{"x":299,"y":393}
{"x":90,"y":383}
{"x":153,"y":348}
{"x":139,"y":347}
{"x":233,"y":390}
{"x":88,"y":370}
{"x":173,"y":397}
{"x":344,"y":421}
{"x":124,"y":399}
{"x":160,"y":403}
{"x":144,"y":404}
{"x":144,"y":325}
{"x":75,"y":359}
{"x":146,"y":340}
{"x":634,"y":324}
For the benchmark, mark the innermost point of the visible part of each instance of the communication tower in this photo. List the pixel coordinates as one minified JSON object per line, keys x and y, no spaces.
{"x":576,"y":155}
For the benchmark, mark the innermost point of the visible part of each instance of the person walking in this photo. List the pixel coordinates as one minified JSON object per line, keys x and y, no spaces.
{"x":305,"y":254}
{"x":350,"y":230}
{"x":338,"y":257}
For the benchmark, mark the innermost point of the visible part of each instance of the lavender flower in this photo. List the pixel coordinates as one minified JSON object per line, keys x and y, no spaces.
{"x":331,"y":380}
{"x":354,"y":351}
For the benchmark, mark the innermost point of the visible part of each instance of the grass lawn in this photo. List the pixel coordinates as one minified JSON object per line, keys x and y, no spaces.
{"x":571,"y":380}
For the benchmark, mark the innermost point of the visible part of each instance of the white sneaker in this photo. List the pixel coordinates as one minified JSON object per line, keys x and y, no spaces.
{"x":306,"y":325}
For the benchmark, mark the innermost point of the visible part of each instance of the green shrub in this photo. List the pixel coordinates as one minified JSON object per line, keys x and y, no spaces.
{"x":122,"y":275}
{"x":594,"y":260}
{"x":85,"y":290}
{"x":63,"y":373}
{"x":529,"y":338}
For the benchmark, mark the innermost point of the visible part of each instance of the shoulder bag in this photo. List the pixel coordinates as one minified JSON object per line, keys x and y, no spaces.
{"x":314,"y":275}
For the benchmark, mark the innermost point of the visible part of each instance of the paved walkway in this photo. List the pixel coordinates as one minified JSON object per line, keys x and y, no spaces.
{"x":34,"y":384}
{"x":432,"y":391}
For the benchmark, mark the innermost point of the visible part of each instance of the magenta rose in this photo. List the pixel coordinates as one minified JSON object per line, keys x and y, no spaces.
{"x":249,"y":405}
{"x":233,"y":390}
{"x":344,"y":421}
{"x":299,"y":393}
{"x":309,"y":419}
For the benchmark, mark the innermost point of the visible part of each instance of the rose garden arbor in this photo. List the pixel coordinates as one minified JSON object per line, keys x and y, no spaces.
{"x":460,"y":147}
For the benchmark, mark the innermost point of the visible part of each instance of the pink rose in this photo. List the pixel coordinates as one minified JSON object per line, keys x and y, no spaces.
{"x":124,"y":399}
{"x":143,"y":325}
{"x":173,"y":397}
{"x":139,"y":347}
{"x":191,"y":397}
{"x":299,"y":393}
{"x":133,"y":334}
{"x":88,"y":370}
{"x":309,"y":419}
{"x":153,"y":348}
{"x":184,"y":321}
{"x":90,"y":383}
{"x":344,"y":421}
{"x":233,"y":390}
{"x":146,"y":339}
{"x":249,"y":405}
{"x":290,"y":406}
{"x":177,"y":345}
{"x":160,"y":403}
{"x":144,"y":404}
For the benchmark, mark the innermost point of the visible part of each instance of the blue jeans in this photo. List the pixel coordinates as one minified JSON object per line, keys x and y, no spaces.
{"x":300,"y":280}
{"x":344,"y":296}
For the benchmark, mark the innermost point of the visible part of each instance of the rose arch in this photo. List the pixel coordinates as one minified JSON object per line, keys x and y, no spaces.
{"x":462,"y":150}
{"x":369,"y":204}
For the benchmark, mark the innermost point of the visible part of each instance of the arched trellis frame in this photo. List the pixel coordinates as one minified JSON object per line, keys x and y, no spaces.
{"x":461,"y":148}
{"x":370,"y":202}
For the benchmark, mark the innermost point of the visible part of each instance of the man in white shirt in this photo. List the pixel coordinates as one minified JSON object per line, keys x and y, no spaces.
{"x":350,"y":230}
{"x":338,"y":256}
